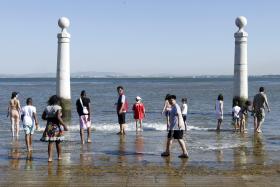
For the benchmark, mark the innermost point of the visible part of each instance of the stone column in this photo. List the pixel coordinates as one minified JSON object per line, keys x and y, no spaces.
{"x":240,"y":88}
{"x":63,"y":67}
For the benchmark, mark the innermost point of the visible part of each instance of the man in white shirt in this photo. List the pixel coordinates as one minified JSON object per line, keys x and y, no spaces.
{"x":30,"y":120}
{"x":176,"y":128}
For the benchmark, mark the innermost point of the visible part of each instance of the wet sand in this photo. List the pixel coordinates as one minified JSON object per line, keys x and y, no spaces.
{"x":131,"y":161}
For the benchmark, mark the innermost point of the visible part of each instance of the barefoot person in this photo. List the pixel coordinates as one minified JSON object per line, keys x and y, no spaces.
{"x":219,"y":107}
{"x":236,"y":115}
{"x":53,"y":133}
{"x":259,"y":104}
{"x":244,"y":115}
{"x":14,"y":113}
{"x":176,"y":129}
{"x":166,"y":110}
{"x":84,"y":111}
{"x":30,"y":120}
{"x":139,"y":112}
{"x":122,"y":107}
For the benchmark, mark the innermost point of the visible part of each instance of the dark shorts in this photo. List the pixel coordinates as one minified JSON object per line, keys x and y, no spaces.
{"x":121,"y":118}
{"x":184,"y":117}
{"x":167,"y":113}
{"x":176,"y":134}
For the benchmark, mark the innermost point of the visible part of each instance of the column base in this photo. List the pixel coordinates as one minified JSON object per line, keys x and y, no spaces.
{"x":66,"y":109}
{"x":241,"y":101}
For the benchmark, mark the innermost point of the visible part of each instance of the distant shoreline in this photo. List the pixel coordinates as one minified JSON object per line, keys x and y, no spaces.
{"x":137,"y":77}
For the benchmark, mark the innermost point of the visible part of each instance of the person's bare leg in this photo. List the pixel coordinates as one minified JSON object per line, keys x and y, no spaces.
{"x":82,"y":135}
{"x":136,"y":125}
{"x":123,"y":128}
{"x":167,"y":123}
{"x":13,"y":126}
{"x":168,"y":145}
{"x":218,"y":125}
{"x":17,"y":126}
{"x":27,"y":141}
{"x":255,"y":123}
{"x":50,"y":151}
{"x":58,"y":149}
{"x":140,"y":121}
{"x":89,"y":134}
{"x":30,"y":142}
{"x":183,"y":147}
{"x":259,"y":126}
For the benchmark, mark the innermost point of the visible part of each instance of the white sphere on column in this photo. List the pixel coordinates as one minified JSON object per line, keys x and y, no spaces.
{"x":63,"y":22}
{"x":240,"y":22}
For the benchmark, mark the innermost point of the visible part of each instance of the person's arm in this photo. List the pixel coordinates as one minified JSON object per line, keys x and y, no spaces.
{"x":36,"y":120}
{"x":222,"y":108}
{"x":144,"y":110}
{"x":164,"y":107}
{"x":89,"y":111}
{"x":77,"y":105}
{"x":123,"y":103}
{"x":58,"y":115}
{"x":266,"y":104}
{"x":44,"y":115}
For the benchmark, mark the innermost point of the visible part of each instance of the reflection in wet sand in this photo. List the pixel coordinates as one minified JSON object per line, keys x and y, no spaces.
{"x":258,"y":149}
{"x":241,"y":153}
{"x":139,"y":146}
{"x":122,"y":151}
{"x":219,"y":151}
{"x":15,"y":155}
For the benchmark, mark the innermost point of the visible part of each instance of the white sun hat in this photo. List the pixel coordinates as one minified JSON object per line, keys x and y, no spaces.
{"x":138,"y":98}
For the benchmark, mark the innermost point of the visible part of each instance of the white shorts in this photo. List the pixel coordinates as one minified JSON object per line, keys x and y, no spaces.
{"x":29,"y":129}
{"x":84,"y":123}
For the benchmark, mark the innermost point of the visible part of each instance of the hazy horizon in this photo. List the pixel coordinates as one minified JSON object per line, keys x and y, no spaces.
{"x":182,"y":38}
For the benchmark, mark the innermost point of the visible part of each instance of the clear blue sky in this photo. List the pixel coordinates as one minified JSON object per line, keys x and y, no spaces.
{"x":139,"y":36}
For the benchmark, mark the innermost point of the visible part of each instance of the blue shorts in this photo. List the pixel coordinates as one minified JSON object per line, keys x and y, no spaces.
{"x":29,"y":129}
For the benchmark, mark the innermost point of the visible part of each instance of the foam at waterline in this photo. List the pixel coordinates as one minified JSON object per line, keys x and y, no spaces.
{"x":114,"y":127}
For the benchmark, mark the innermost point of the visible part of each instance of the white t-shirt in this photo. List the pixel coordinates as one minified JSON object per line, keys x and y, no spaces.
{"x":219,"y":109}
{"x":236,"y":110}
{"x":28,"y":111}
{"x":176,"y":119}
{"x":185,"y":109}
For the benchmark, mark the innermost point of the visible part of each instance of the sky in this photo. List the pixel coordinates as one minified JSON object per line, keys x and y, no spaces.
{"x":139,"y":37}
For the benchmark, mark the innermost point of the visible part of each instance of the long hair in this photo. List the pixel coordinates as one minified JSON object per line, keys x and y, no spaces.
{"x":54,"y":100}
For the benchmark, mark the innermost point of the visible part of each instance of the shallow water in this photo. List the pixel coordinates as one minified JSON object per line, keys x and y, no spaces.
{"x":223,"y":150}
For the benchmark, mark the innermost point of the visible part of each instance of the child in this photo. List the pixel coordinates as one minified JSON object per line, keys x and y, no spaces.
{"x":139,"y":112}
{"x":219,"y":107}
{"x":235,"y":115}
{"x":29,"y":119}
{"x":243,"y":115}
{"x":184,"y":109}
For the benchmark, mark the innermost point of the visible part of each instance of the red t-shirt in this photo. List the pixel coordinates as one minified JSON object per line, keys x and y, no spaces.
{"x":138,"y":109}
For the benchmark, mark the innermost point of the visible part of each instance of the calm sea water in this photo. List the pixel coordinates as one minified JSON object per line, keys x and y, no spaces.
{"x":201,"y":94}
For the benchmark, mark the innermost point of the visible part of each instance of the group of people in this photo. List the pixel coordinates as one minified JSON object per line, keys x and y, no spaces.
{"x":176,"y":118}
{"x":240,"y":111}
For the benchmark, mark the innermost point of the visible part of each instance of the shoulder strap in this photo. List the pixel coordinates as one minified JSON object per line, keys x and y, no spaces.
{"x":81,"y":102}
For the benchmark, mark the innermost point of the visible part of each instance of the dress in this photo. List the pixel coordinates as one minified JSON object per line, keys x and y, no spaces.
{"x":53,"y":131}
{"x":138,"y":109}
{"x":219,"y":109}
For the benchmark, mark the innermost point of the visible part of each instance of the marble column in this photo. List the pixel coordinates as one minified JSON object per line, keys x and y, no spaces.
{"x":240,"y":88}
{"x":63,"y":67}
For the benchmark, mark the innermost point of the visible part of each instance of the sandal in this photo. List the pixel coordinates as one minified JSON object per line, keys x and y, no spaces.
{"x":183,"y":156}
{"x":165,"y":154}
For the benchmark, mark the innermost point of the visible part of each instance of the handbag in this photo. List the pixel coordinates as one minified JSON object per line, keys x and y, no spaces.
{"x":85,"y":110}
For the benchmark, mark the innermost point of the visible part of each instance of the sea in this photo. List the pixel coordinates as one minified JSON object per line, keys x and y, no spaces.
{"x":206,"y":146}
